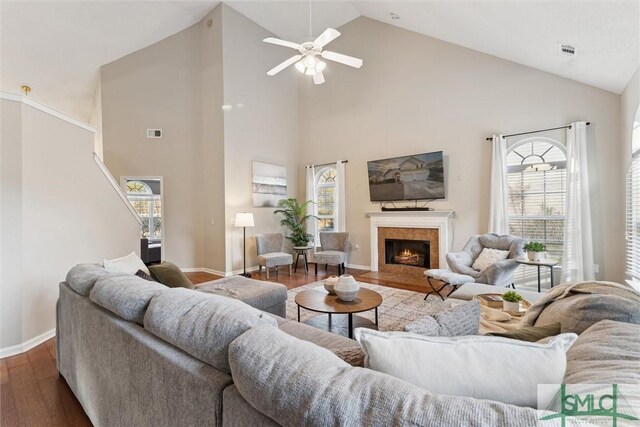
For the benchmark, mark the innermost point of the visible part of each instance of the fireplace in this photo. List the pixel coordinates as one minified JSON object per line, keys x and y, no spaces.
{"x":413,"y":253}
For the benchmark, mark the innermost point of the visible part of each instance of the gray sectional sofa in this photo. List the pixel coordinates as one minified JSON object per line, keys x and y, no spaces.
{"x":136,"y":353}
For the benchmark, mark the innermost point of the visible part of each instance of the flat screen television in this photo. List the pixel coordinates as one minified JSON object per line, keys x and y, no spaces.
{"x":417,"y":177}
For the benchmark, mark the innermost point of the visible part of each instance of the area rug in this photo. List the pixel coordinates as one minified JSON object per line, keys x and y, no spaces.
{"x":398,"y":307}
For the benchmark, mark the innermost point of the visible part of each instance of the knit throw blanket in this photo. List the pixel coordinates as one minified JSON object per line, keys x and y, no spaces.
{"x":568,"y":290}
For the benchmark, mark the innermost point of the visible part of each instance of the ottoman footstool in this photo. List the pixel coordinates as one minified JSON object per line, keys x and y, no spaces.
{"x":265,"y":296}
{"x":446,"y":277}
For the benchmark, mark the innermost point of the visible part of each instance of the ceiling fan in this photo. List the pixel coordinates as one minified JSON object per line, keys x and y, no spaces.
{"x":307,"y":61}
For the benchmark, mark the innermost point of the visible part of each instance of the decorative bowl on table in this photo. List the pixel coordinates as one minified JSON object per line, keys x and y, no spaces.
{"x":347,"y":288}
{"x":330,"y":284}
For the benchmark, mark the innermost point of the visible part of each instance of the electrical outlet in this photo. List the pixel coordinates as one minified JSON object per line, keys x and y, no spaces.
{"x":213,"y":221}
{"x":357,"y":247}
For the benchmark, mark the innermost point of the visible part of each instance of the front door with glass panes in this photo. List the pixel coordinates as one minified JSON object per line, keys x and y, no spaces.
{"x":145,"y":195}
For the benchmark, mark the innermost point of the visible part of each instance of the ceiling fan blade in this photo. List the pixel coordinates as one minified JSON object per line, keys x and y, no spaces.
{"x":326,"y":37}
{"x":318,"y":78}
{"x":275,"y":70}
{"x":343,"y":59}
{"x":279,"y":42}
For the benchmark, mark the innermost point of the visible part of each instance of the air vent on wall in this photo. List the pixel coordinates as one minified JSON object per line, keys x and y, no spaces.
{"x":154,"y":133}
{"x":568,"y":50}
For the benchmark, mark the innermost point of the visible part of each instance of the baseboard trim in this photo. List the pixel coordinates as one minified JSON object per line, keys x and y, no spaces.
{"x":359,"y":267}
{"x":217,"y":272}
{"x":27,"y":345}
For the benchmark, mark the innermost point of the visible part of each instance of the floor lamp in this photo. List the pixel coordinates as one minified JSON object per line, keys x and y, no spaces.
{"x":244,"y":220}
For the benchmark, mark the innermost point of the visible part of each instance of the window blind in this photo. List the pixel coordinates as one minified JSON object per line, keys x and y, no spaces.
{"x":633,"y":220}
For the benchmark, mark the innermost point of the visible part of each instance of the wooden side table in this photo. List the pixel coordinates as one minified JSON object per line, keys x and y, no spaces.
{"x":542,"y":263}
{"x":301,"y":250}
{"x":321,"y":301}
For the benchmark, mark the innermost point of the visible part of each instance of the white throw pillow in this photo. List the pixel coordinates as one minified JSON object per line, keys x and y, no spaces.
{"x":129,"y":264}
{"x":480,"y":367}
{"x":489,"y":257}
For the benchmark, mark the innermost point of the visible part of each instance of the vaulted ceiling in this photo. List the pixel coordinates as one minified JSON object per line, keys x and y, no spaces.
{"x":58,"y":47}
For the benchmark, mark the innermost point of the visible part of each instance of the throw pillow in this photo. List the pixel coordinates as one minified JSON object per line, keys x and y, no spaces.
{"x":145,"y":276}
{"x":170,"y":275}
{"x":530,"y":333}
{"x":354,"y":355}
{"x":488,"y":257}
{"x":480,"y":367}
{"x":129,"y":264}
{"x":463,"y":319}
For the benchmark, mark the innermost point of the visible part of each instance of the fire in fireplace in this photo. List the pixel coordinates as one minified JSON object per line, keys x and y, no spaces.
{"x":413,"y":253}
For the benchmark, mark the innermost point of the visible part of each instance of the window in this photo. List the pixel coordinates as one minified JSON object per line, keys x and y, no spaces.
{"x":148,"y":206}
{"x":326,"y":200}
{"x":536,"y":176}
{"x":633,"y":206}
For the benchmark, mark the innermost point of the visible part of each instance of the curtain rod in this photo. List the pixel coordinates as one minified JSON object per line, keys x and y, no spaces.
{"x":327,"y":164}
{"x":536,"y":131}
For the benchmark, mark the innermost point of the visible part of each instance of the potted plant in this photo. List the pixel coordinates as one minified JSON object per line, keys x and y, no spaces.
{"x":535,"y":250}
{"x":511,"y":301}
{"x":294,"y":219}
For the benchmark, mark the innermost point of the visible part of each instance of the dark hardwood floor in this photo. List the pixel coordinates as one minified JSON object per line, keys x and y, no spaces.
{"x":33,"y":394}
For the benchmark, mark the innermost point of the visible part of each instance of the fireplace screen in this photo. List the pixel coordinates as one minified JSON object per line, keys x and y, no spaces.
{"x":413,"y":253}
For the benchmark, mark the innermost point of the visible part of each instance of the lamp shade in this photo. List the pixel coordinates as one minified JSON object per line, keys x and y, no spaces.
{"x":244,"y":219}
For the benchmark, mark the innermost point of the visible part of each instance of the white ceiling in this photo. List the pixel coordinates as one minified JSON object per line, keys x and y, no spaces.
{"x":57,"y":47}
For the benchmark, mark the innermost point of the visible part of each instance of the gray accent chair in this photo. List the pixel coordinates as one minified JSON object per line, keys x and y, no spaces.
{"x":333,"y":250}
{"x":270,"y":249}
{"x":499,"y":274}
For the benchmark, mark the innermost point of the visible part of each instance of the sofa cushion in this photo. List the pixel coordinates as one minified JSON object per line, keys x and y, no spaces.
{"x":126,"y":296}
{"x":83,"y":277}
{"x":461,"y":319}
{"x":257,"y":293}
{"x":170,"y":275}
{"x":328,"y":391}
{"x":468,"y":366}
{"x":606,"y":353}
{"x":201,"y":324}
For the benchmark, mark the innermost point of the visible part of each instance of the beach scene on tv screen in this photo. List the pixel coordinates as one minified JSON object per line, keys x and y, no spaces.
{"x":417,"y":177}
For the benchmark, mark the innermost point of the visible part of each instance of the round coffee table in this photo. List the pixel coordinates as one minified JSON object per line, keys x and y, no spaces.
{"x":341,"y":319}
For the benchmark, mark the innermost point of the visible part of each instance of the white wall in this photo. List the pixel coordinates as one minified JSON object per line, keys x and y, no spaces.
{"x":160,"y":87}
{"x":262,"y":125}
{"x":58,"y":210}
{"x":418,"y":94}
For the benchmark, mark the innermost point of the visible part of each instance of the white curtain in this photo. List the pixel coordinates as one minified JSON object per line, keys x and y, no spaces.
{"x":341,"y":199}
{"x":498,"y":220}
{"x":577,"y":262}
{"x":311,"y":195}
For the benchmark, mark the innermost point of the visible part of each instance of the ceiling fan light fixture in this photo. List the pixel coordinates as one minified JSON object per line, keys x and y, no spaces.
{"x":310,"y":71}
{"x":310,"y":61}
{"x":320,"y":66}
{"x":300,"y":66}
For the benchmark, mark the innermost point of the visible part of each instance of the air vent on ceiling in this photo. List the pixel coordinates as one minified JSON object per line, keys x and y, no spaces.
{"x":154,"y":133}
{"x":568,"y":50}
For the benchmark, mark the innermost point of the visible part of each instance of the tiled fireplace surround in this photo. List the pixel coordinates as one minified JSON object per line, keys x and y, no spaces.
{"x":432,"y":226}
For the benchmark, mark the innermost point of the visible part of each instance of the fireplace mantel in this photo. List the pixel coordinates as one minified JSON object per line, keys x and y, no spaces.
{"x":439,"y":219}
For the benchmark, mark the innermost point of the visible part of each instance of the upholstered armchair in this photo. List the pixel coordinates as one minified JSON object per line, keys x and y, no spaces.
{"x":498,"y":274}
{"x":333,"y":250}
{"x":270,"y":252}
